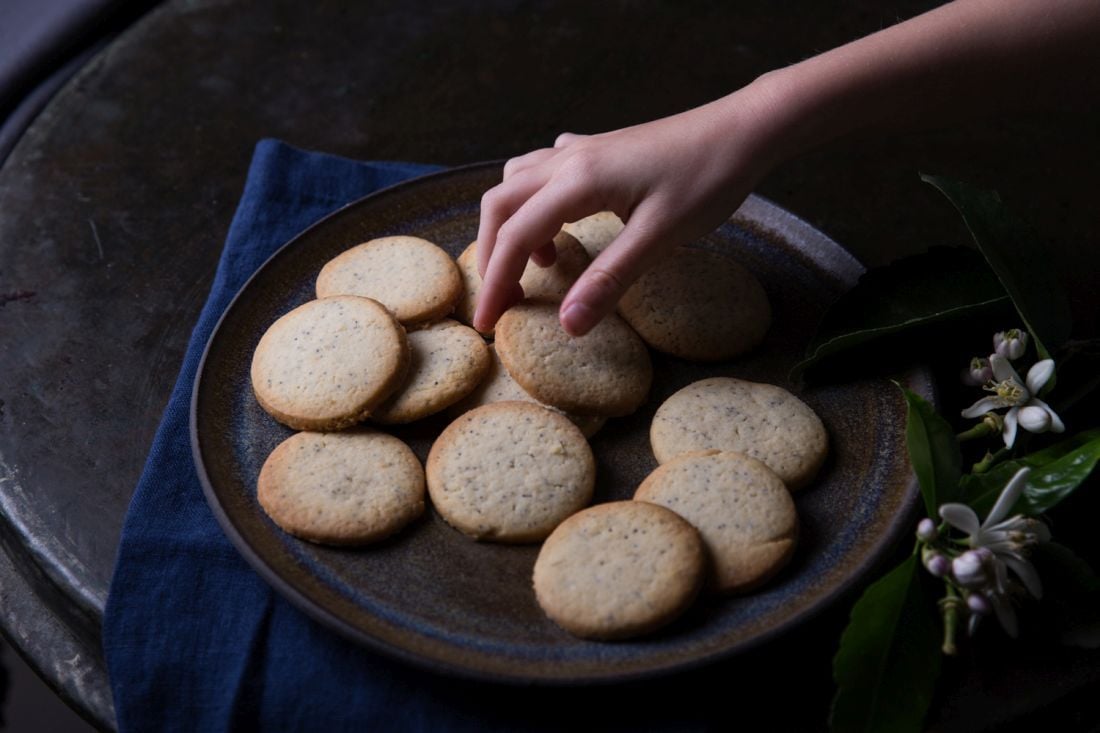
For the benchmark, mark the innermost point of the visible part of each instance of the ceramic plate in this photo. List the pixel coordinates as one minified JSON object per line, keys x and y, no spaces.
{"x":436,"y":598}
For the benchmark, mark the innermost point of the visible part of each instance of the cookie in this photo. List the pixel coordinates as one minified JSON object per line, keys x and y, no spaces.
{"x":596,"y":232}
{"x":412,"y":277}
{"x":326,"y":364}
{"x":605,"y":372}
{"x":743,"y":511}
{"x":498,"y":386}
{"x":510,"y":472}
{"x":348,"y":488}
{"x":762,"y":421}
{"x":542,"y":283}
{"x":448,"y":360}
{"x":698,"y":305}
{"x":619,"y":570}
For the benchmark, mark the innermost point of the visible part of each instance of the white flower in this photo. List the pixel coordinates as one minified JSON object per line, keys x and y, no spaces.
{"x":1011,"y":343}
{"x":1006,"y":542}
{"x":978,"y":373}
{"x":1018,"y":395}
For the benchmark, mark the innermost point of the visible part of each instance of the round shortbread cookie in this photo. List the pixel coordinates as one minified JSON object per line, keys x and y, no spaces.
{"x":605,"y":372}
{"x":344,"y":488}
{"x":412,"y":277}
{"x":498,"y":386}
{"x":541,"y":283}
{"x":596,"y":232}
{"x":698,"y":305}
{"x":741,"y":508}
{"x":762,"y":421}
{"x":510,"y":472}
{"x":448,"y":360}
{"x":619,"y":570}
{"x":326,"y":364}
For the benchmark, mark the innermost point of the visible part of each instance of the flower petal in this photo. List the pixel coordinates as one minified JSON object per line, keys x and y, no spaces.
{"x":1039,"y":375}
{"x":1002,"y":369}
{"x":961,"y":517}
{"x":1009,"y":432}
{"x":1056,"y":424}
{"x":1008,"y":498}
{"x":984,"y":405}
{"x":1026,"y":572}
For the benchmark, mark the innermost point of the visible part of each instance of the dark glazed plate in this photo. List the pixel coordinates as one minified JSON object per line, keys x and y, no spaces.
{"x":434,"y":597}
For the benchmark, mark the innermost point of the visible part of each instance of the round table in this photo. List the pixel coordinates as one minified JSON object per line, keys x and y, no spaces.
{"x":115,"y":203}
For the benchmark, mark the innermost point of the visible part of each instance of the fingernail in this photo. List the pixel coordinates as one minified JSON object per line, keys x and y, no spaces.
{"x":578,"y":319}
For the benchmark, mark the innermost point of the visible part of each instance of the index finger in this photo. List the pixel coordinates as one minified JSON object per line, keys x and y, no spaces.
{"x":532,"y":225}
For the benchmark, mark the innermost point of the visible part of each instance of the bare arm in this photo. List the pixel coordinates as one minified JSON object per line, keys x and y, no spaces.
{"x":676,"y":179}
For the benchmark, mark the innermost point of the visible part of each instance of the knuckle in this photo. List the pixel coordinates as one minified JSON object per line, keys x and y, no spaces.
{"x":492,"y":200}
{"x":580,"y":165}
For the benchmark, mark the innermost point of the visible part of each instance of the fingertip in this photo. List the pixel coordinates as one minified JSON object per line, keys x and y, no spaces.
{"x":578,"y":318}
{"x":490,"y":309}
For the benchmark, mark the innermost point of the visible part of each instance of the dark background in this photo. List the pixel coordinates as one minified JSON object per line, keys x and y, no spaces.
{"x":117,"y":186}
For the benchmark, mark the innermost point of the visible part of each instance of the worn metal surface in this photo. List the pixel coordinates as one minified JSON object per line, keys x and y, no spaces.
{"x":114,"y":204}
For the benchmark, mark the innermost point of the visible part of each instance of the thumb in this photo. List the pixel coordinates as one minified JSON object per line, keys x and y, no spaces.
{"x":596,"y":293}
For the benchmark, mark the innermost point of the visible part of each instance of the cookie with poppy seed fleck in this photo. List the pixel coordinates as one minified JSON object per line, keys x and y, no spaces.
{"x":448,"y":361}
{"x":743,"y":511}
{"x":328,"y":363}
{"x":510,"y":472}
{"x":763,"y":421}
{"x":605,"y":372}
{"x":348,"y":488}
{"x":619,"y":570}
{"x":698,"y":305}
{"x":414,"y":278}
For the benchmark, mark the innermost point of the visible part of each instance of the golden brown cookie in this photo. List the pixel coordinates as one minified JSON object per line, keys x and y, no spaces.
{"x":510,"y":472}
{"x":541,"y":283}
{"x":619,"y":570}
{"x":741,"y":508}
{"x":448,"y":360}
{"x":498,"y":386}
{"x":605,"y":372}
{"x":328,"y":363}
{"x":412,"y":277}
{"x":698,"y":305}
{"x":596,"y":232}
{"x":347,"y":488}
{"x":762,"y":421}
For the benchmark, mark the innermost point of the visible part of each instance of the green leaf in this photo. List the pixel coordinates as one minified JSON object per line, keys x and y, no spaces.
{"x":1071,"y":594}
{"x":933,"y":451}
{"x":1055,"y":473}
{"x":889,"y":657}
{"x":945,"y":283}
{"x":1015,"y":254}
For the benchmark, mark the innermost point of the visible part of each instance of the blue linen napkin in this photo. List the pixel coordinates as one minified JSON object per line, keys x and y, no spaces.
{"x":195,"y":640}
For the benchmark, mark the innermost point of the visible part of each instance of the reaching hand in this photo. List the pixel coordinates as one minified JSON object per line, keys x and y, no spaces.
{"x":671,"y":181}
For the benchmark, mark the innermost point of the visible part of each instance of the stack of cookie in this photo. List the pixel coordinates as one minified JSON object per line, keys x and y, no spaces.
{"x":514,"y":464}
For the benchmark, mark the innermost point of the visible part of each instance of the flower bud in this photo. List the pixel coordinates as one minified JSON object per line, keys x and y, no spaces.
{"x":969,"y":570}
{"x":926,"y":530}
{"x":1034,"y":419}
{"x":935,"y":563}
{"x":979,"y":372}
{"x":978,"y":604}
{"x":1010,"y":344}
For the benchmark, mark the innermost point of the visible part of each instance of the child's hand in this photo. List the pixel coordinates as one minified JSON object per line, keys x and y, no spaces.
{"x":671,"y":181}
{"x":676,"y":179}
